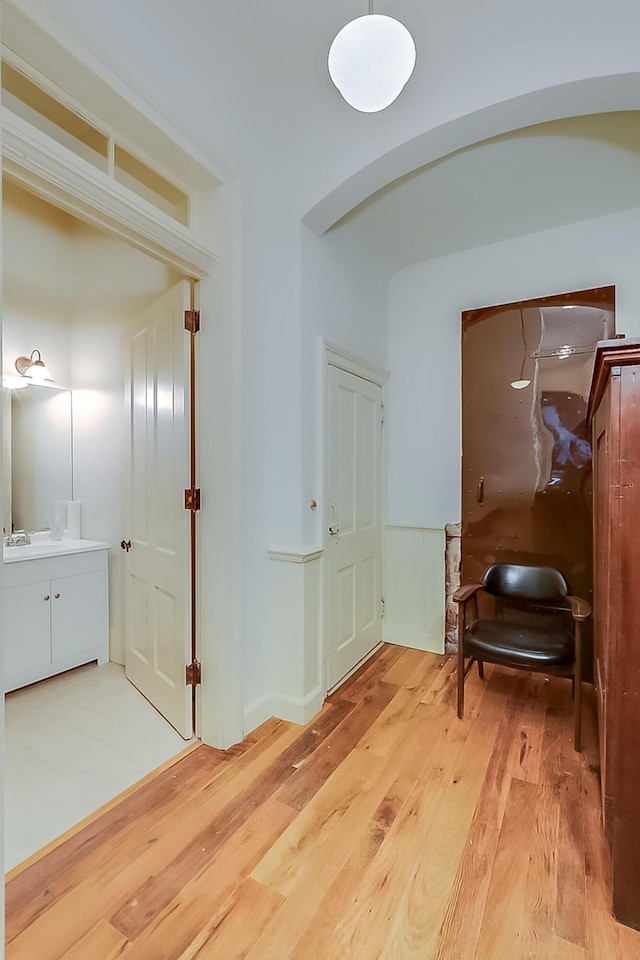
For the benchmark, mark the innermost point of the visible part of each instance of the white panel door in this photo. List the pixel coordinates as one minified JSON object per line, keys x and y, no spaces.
{"x":354,"y":535}
{"x":158,"y":641}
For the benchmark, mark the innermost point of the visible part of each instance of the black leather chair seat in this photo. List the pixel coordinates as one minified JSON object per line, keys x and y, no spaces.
{"x":527,"y":647}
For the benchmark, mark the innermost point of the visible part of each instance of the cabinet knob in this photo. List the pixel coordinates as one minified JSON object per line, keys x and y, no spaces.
{"x":57,"y":596}
{"x":47,"y":597}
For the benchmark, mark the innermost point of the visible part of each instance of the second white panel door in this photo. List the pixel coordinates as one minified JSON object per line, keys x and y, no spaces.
{"x":354,"y":535}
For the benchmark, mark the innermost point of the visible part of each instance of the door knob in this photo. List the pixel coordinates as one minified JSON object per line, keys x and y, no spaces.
{"x":333,"y":531}
{"x":125,"y":545}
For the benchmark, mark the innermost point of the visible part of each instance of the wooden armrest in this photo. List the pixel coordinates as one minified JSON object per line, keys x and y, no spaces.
{"x":465,"y":592}
{"x":580,"y":609}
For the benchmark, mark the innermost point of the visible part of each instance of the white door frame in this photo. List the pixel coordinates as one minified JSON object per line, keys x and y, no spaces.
{"x":335,"y":356}
{"x":220,"y":719}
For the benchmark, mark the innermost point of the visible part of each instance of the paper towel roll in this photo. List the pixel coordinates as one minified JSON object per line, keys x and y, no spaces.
{"x":73,"y":519}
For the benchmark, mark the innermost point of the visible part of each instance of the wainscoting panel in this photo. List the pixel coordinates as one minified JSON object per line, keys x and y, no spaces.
{"x":415,"y":588}
{"x":296,"y":632}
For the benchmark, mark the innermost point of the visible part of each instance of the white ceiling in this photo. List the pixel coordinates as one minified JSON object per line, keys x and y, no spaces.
{"x":543,"y":177}
{"x":249,"y":79}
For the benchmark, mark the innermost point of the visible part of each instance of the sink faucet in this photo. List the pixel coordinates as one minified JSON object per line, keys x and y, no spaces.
{"x":18,"y":538}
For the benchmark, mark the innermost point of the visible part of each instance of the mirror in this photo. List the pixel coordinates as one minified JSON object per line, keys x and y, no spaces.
{"x":38,"y":434}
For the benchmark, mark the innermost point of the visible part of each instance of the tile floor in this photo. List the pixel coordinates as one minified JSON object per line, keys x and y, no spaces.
{"x":72,"y":744}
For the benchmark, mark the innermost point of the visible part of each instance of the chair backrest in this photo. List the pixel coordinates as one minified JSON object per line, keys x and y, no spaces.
{"x":517,"y":581}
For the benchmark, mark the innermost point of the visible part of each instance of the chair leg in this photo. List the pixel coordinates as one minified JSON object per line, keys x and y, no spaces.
{"x":460,"y":685}
{"x":461,"y":661}
{"x":577,"y":738}
{"x":480,"y":669}
{"x":577,"y":705}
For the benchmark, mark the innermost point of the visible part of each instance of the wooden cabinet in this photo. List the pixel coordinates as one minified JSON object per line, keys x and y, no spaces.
{"x":614,"y":414}
{"x":56,"y":615}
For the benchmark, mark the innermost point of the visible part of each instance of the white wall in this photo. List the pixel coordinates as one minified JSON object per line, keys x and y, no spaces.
{"x":425,"y":303}
{"x":343,"y":301}
{"x":36,"y":259}
{"x":36,"y":316}
{"x":341,"y":298}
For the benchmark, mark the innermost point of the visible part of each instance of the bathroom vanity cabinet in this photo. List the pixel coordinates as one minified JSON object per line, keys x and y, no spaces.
{"x":56,"y":611}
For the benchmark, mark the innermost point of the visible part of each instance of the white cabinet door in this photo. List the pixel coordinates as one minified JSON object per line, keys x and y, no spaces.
{"x":79,"y":614}
{"x":27,"y":644}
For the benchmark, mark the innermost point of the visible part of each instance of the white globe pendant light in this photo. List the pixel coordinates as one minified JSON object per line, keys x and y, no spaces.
{"x":370,"y":61}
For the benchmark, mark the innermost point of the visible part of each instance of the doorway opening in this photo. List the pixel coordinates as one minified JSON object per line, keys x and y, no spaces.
{"x":77,"y":294}
{"x":526,"y":455}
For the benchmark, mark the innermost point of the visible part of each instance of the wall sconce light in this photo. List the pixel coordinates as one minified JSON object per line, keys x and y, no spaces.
{"x":33,"y":369}
{"x":370,"y":61}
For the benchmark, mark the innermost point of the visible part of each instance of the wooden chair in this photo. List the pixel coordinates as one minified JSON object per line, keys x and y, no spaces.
{"x":517,"y":638}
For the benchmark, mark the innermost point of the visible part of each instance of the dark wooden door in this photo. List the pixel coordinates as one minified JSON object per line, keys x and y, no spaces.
{"x":526,"y":452}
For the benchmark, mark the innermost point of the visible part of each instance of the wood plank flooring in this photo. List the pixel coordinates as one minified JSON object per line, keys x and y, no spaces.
{"x":386,"y":828}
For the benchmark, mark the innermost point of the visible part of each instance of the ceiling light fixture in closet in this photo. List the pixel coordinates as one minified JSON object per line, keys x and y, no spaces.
{"x":370,"y":61}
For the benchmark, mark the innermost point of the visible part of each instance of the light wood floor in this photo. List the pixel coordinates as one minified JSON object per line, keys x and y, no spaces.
{"x":384,"y":829}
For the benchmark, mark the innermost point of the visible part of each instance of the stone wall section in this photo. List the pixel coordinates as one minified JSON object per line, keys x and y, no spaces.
{"x":452,"y":558}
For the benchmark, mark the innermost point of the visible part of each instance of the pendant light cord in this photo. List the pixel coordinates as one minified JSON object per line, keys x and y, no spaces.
{"x":524,"y":343}
{"x":370,"y":6}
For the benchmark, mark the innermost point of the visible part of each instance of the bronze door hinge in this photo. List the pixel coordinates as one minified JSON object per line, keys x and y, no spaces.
{"x":192,"y":321}
{"x":193,"y":673}
{"x":192,"y":499}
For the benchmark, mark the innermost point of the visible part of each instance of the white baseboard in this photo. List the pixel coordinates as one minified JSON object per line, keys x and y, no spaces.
{"x":298,"y":711}
{"x":257,"y":712}
{"x":116,"y":646}
{"x":284,"y":708}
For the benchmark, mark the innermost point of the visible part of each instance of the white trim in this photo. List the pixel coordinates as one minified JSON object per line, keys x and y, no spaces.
{"x":411,"y":526}
{"x":47,"y":39}
{"x":291,"y":556}
{"x":298,"y":711}
{"x":279,"y":705}
{"x":338,"y":357}
{"x":331,"y":355}
{"x":56,"y":174}
{"x":258,"y":713}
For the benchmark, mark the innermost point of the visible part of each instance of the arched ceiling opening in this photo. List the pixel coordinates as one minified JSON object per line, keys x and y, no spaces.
{"x":529,"y":180}
{"x":595,"y":95}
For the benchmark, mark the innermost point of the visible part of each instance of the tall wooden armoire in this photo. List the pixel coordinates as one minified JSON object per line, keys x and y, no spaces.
{"x":614,"y":415}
